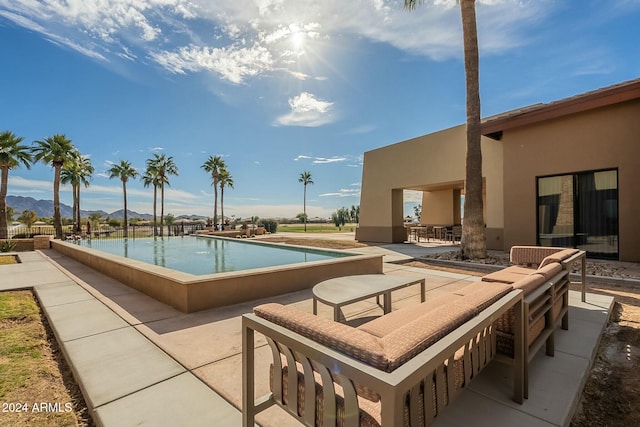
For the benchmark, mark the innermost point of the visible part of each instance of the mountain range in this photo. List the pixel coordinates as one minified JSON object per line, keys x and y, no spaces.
{"x":44,"y":209}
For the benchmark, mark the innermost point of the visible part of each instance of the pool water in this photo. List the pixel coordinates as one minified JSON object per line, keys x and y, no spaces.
{"x":207,"y":255}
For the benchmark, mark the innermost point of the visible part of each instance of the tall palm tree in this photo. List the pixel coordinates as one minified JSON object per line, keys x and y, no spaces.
{"x":305,"y":179}
{"x":149,"y":178}
{"x":54,"y":150}
{"x":124,"y":171}
{"x":162,"y":167}
{"x":214,"y":165}
{"x":473,"y":243}
{"x":12,"y":155}
{"x":224,"y":180}
{"x":76,"y":171}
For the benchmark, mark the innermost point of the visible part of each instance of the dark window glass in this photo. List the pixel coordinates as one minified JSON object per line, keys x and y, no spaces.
{"x":580,"y":210}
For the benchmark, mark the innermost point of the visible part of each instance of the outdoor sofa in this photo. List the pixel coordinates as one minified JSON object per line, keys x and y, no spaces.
{"x":402,"y":368}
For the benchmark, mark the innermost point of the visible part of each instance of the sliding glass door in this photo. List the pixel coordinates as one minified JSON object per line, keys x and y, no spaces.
{"x":580,"y":210}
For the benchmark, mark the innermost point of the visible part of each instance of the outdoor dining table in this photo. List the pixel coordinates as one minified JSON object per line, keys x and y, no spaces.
{"x":349,"y":289}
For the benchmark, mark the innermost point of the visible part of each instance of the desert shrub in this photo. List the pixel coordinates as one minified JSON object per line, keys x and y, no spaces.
{"x":7,"y":246}
{"x":270,"y":225}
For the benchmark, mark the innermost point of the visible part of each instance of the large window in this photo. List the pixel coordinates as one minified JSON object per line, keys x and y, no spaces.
{"x":580,"y":210}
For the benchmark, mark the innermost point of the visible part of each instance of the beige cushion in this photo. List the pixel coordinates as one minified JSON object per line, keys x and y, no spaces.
{"x":384,"y":325}
{"x":345,"y":339}
{"x":558,"y":256}
{"x":482,"y":294}
{"x":549,"y":270}
{"x":529,"y":283}
{"x":508,"y":275}
{"x":416,"y":335}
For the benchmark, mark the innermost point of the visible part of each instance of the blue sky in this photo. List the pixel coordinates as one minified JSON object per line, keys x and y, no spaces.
{"x":278,"y":87}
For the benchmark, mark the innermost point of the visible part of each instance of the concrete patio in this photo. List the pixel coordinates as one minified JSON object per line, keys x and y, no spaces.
{"x":140,"y":362}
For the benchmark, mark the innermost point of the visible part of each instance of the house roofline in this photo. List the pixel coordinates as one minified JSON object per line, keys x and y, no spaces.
{"x":494,"y":126}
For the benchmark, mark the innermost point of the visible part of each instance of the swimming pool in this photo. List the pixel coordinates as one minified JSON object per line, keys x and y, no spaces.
{"x":208,"y":255}
{"x":190,"y":292}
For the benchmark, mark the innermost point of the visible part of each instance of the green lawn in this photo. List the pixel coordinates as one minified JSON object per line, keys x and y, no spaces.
{"x":316,"y":228}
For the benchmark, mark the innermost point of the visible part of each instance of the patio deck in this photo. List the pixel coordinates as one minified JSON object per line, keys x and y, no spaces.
{"x":141,"y":362}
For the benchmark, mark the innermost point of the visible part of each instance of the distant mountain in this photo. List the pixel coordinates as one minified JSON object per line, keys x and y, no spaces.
{"x":44,"y":208}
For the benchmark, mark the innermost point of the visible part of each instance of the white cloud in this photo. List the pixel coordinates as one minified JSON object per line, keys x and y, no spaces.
{"x":412,"y":196}
{"x":308,"y":111}
{"x":343,"y":192}
{"x":240,"y":39}
{"x":232,"y":64}
{"x":323,"y":160}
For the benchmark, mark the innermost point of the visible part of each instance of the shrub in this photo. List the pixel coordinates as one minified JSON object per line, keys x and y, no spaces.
{"x":270,"y":225}
{"x":7,"y":246}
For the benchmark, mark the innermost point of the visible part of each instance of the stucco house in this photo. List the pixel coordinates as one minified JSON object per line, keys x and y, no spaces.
{"x":566,"y":173}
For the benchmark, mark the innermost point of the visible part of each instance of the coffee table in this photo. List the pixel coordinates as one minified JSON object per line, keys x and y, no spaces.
{"x":349,"y":289}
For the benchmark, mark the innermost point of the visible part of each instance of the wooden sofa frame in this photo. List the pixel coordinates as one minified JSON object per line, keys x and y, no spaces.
{"x":477,"y":337}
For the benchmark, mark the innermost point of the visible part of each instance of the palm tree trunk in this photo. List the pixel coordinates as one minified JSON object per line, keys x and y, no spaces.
{"x":155,"y":204}
{"x":125,"y":232}
{"x":77,"y":212}
{"x":57,"y":219}
{"x":215,"y":204}
{"x":4,"y":227}
{"x":304,"y":207}
{"x":222,"y":206}
{"x":161,"y":209}
{"x":473,"y":242}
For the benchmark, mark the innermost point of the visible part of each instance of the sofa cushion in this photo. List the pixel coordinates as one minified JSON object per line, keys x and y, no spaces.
{"x":508,"y":275}
{"x":343,"y":338}
{"x":417,"y":335}
{"x":529,"y":283}
{"x":482,"y":294}
{"x":549,"y":270}
{"x":384,"y":325}
{"x":558,"y":256}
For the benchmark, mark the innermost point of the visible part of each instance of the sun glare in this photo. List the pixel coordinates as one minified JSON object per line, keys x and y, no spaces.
{"x":297,"y":39}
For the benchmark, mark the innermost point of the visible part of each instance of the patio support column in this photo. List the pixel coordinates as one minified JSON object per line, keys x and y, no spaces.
{"x":398,"y":232}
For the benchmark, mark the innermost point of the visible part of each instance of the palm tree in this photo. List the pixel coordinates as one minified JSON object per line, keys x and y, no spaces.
{"x":12,"y":155}
{"x":162,"y":166}
{"x":224,"y":180}
{"x":150,"y":178}
{"x":28,"y":217}
{"x":124,"y":171}
{"x":305,"y":178}
{"x":473,"y":243}
{"x":77,"y":170}
{"x":214,"y":165}
{"x":54,"y":150}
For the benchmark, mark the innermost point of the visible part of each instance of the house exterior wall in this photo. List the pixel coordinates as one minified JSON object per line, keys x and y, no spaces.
{"x":438,"y":207}
{"x":603,"y":138}
{"x":437,"y":159}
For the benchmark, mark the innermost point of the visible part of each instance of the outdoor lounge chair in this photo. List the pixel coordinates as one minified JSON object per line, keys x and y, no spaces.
{"x":403,"y":368}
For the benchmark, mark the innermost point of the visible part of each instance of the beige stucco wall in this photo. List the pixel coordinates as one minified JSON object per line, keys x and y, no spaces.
{"x":429,"y":160}
{"x":438,"y":207}
{"x":598,"y":139}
